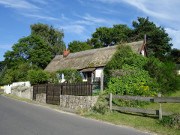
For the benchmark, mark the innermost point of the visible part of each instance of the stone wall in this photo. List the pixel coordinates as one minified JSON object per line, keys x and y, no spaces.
{"x":76,"y":102}
{"x":41,"y":98}
{"x":22,"y":91}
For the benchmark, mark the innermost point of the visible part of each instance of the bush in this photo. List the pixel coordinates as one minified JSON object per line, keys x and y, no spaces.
{"x":124,"y":55}
{"x":38,"y":76}
{"x":54,"y":78}
{"x":102,"y":104}
{"x":164,"y":73}
{"x":132,"y":81}
{"x":70,"y":75}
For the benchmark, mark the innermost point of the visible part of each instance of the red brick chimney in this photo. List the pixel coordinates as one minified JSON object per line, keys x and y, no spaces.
{"x":66,"y":53}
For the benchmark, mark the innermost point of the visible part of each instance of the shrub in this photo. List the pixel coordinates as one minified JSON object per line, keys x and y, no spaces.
{"x":124,"y":55}
{"x":54,"y":78}
{"x":70,"y":75}
{"x":38,"y":76}
{"x":164,"y":73}
{"x":102,"y":104}
{"x":132,"y":81}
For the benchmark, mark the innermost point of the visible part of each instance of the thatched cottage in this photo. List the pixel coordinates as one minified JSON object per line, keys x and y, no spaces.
{"x":90,"y":63}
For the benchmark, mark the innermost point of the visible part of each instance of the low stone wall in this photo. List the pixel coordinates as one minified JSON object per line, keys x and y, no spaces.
{"x":76,"y":102}
{"x":41,"y":98}
{"x":23,"y":92}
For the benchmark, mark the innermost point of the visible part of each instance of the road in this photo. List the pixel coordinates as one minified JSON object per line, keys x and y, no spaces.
{"x":20,"y":118}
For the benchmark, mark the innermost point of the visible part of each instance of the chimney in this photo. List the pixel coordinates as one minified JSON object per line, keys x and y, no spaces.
{"x":66,"y":53}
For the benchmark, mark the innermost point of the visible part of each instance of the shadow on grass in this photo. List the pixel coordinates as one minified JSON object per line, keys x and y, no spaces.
{"x":139,"y":114}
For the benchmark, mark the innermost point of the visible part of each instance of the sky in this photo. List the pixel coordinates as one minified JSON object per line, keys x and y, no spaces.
{"x":78,"y":19}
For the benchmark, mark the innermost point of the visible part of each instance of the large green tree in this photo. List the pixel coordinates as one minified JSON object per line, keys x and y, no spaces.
{"x":77,"y":46}
{"x":158,"y":41}
{"x":31,"y":49}
{"x":104,"y":36}
{"x":53,"y":37}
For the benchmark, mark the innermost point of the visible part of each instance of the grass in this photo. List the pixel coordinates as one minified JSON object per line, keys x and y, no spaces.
{"x":173,"y":107}
{"x":139,"y":121}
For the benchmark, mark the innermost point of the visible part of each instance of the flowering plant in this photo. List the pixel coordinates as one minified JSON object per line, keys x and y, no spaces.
{"x":131,"y":80}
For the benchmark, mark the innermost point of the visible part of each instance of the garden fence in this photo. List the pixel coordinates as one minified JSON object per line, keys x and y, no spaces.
{"x":144,"y":111}
{"x":53,"y":91}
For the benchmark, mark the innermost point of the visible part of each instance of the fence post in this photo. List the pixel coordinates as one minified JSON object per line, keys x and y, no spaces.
{"x":160,"y":108}
{"x":102,"y":81}
{"x":110,"y":101}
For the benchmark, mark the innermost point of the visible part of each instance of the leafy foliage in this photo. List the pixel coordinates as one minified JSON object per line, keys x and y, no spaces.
{"x":15,"y":75}
{"x":157,"y":39}
{"x":104,"y":36}
{"x":53,"y":37}
{"x":101,"y":105}
{"x":54,"y":78}
{"x":175,"y":55}
{"x":31,"y":49}
{"x":124,"y":55}
{"x":131,"y":80}
{"x":71,"y":75}
{"x":164,"y":73}
{"x":77,"y":46}
{"x":38,"y":76}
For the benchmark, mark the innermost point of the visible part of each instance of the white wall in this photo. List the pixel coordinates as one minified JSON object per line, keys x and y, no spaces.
{"x":142,"y":52}
{"x":62,"y":78}
{"x":98,"y":72}
{"x":7,"y":88}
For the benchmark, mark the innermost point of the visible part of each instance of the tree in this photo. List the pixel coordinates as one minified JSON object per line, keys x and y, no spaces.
{"x":53,"y":37}
{"x":31,"y":49}
{"x":77,"y":46}
{"x":104,"y":36}
{"x":157,"y":38}
{"x":175,"y":54}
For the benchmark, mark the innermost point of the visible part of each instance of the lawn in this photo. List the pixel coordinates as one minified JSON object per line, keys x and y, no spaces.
{"x":139,"y":121}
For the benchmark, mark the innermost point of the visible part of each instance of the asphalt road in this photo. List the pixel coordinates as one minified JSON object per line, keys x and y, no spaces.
{"x":19,"y":118}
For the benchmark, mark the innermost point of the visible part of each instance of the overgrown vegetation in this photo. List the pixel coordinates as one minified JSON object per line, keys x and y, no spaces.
{"x":38,"y":76}
{"x":102,"y":104}
{"x":131,"y":74}
{"x":70,"y":75}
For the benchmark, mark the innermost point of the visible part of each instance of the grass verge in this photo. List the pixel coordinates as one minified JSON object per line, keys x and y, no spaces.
{"x":139,"y":121}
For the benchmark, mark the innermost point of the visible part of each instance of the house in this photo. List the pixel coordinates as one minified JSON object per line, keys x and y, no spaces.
{"x":90,"y":63}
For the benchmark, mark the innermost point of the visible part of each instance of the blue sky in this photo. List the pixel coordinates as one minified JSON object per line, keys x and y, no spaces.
{"x":79,"y":18}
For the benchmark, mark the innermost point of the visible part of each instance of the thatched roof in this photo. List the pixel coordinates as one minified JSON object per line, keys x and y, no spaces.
{"x":88,"y":59}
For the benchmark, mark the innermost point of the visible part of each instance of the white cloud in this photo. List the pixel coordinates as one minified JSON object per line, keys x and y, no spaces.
{"x":40,"y":1}
{"x":84,"y":22}
{"x":18,"y":4}
{"x":64,"y":17}
{"x":42,"y":17}
{"x":87,"y":19}
{"x":174,"y":34}
{"x":78,"y":29}
{"x":160,"y":9}
{"x":94,"y":19}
